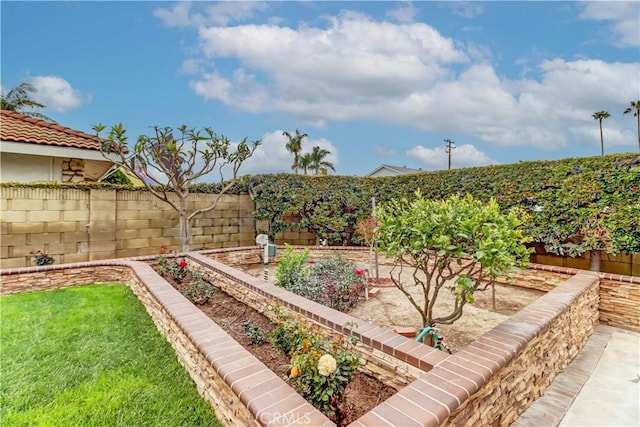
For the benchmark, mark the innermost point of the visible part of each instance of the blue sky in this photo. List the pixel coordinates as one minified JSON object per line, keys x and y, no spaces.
{"x":372,"y":82}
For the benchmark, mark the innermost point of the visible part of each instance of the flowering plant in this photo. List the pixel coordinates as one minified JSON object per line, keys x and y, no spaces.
{"x":169,"y":265}
{"x":41,"y":258}
{"x":320,"y":370}
{"x":326,"y":365}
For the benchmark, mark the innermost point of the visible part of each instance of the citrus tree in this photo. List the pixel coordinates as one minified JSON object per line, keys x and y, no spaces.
{"x":169,"y":164}
{"x":458,"y":244}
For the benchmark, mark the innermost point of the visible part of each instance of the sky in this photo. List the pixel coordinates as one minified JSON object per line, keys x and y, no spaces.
{"x":381,"y":82}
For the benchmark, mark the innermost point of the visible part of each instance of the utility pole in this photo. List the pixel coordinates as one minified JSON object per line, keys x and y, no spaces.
{"x":449,"y":147}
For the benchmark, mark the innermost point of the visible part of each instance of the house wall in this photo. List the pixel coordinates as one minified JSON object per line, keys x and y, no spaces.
{"x":30,"y":168}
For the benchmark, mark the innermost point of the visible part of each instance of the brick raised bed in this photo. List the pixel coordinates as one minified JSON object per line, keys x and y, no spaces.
{"x":490,"y":381}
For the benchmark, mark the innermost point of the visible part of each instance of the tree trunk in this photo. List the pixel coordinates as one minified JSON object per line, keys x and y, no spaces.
{"x":638,"y":115}
{"x":185,"y":229}
{"x":601,"y":139}
{"x":595,"y":258}
{"x":493,"y":296}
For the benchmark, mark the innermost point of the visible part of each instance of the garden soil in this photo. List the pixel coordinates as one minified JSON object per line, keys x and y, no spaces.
{"x":391,"y":308}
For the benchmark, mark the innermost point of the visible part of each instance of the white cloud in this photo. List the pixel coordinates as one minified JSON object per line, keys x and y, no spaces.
{"x":222,"y":13}
{"x":466,"y":9}
{"x":624,"y":18}
{"x":465,"y":155}
{"x":407,"y":75}
{"x":406,"y":12}
{"x":184,"y":14}
{"x":384,"y":151}
{"x":57,"y":94}
{"x":180,"y":15}
{"x":272,"y":156}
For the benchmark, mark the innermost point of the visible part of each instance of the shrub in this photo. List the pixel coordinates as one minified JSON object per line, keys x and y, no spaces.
{"x":170,"y":266}
{"x":332,"y":282}
{"x":320,"y":369}
{"x":255,"y":333}
{"x":336,"y":283}
{"x":292,"y":273}
{"x":41,"y":258}
{"x":459,"y":244}
{"x":198,"y":291}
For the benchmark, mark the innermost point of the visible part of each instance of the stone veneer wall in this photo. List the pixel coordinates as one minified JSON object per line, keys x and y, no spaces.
{"x":73,"y":170}
{"x":488,"y":382}
{"x":619,"y":298}
{"x":238,"y":386}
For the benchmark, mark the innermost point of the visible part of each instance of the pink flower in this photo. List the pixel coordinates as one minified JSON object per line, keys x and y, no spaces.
{"x":634,"y":188}
{"x":359,"y":271}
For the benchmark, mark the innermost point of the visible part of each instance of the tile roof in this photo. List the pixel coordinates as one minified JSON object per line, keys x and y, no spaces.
{"x":19,"y":128}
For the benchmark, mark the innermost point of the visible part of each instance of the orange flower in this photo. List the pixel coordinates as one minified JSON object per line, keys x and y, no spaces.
{"x":305,"y":344}
{"x":295,"y":371}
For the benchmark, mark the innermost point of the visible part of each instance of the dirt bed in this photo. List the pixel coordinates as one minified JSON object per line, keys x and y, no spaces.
{"x":391,"y":308}
{"x":361,"y":395}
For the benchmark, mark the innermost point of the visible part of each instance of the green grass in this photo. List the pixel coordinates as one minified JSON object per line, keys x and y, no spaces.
{"x":90,"y":356}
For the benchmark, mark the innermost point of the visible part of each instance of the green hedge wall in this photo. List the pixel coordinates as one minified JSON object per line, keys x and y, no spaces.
{"x":571,"y":205}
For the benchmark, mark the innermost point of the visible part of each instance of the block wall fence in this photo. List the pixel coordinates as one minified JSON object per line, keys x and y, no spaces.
{"x":75,"y":225}
{"x":489,"y":382}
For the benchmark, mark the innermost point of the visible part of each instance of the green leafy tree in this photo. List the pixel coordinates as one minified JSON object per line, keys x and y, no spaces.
{"x":168,"y":165}
{"x":19,"y":100}
{"x":634,"y":108}
{"x":318,"y":162}
{"x":459,"y":244}
{"x":600,"y":116}
{"x":294,"y":146}
{"x":305,"y":162}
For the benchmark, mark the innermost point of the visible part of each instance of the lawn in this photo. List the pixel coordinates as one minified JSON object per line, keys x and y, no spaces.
{"x":91,"y":356}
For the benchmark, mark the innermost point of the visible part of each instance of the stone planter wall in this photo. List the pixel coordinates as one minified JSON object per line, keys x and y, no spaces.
{"x":489,"y":382}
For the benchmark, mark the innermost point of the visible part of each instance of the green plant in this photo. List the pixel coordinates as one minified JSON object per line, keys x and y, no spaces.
{"x":289,"y":335}
{"x":335,"y":283}
{"x":320,"y":369}
{"x":170,"y":265}
{"x":459,"y":243}
{"x":197,"y":290}
{"x":292,"y":272}
{"x":41,"y":258}
{"x":560,"y":195}
{"x":255,"y":333}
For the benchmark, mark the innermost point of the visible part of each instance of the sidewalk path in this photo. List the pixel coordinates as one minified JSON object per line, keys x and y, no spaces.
{"x":601,"y":387}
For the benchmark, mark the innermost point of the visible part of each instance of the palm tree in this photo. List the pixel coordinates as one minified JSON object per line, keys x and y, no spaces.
{"x":294,"y":146}
{"x":305,"y":162}
{"x":600,"y":116}
{"x":635,"y":108}
{"x":17,"y":99}
{"x":318,"y":162}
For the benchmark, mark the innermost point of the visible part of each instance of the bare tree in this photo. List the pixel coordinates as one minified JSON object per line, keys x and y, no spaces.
{"x":168,"y":165}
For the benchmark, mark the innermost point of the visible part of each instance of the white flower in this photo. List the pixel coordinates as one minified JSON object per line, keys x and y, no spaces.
{"x":326,"y":365}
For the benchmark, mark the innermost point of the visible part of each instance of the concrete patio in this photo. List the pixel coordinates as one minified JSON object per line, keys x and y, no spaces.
{"x":601,"y":387}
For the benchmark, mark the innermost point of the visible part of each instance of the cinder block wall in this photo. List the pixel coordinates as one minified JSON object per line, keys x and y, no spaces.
{"x":77,"y":225}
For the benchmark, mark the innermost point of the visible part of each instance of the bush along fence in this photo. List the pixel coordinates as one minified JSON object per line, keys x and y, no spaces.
{"x":571,"y":207}
{"x":584,"y":210}
{"x":488,"y":382}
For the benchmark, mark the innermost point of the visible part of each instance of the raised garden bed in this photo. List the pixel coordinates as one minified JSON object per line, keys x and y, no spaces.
{"x":362,"y":393}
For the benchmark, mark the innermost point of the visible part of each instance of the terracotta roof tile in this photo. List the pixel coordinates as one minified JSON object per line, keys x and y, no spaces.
{"x":19,"y":128}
